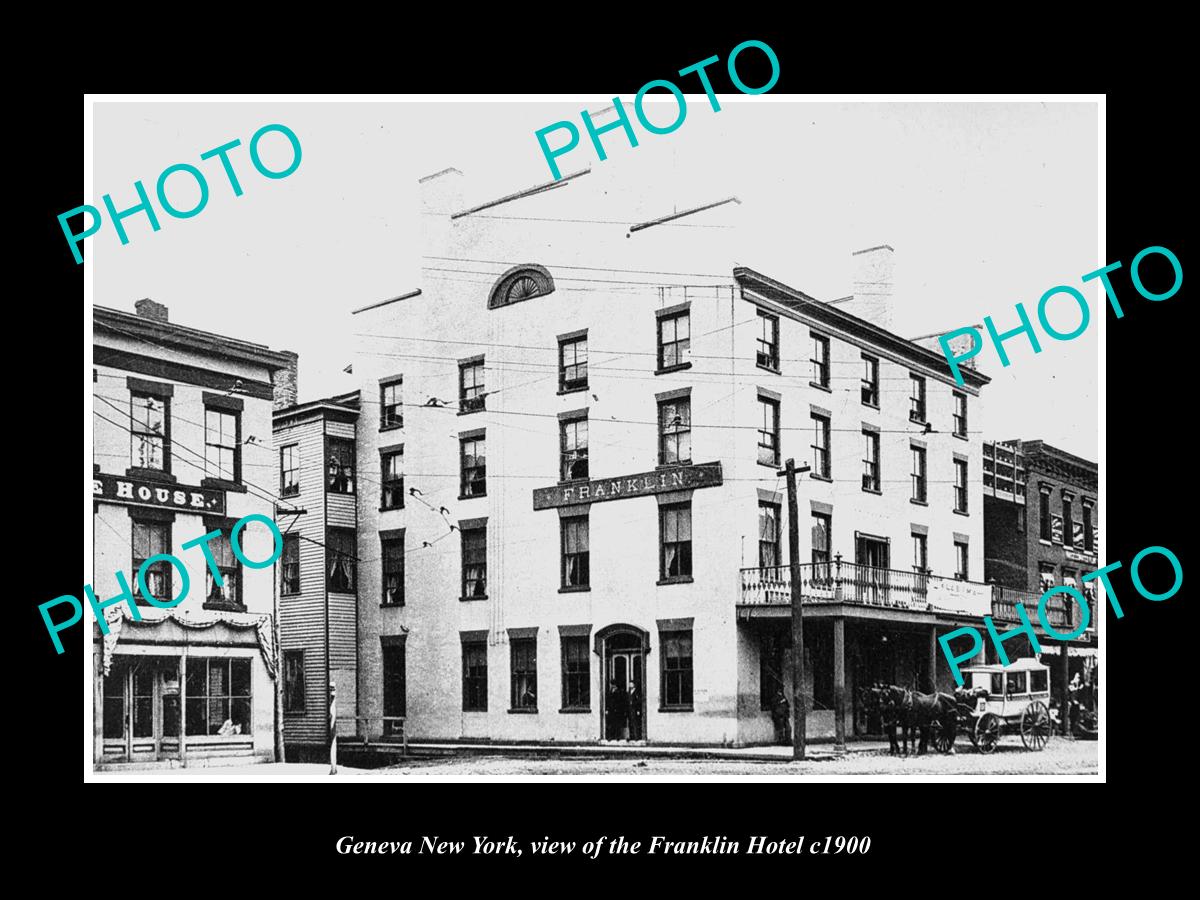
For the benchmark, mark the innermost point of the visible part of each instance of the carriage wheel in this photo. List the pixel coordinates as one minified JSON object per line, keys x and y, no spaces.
{"x":973,"y":734}
{"x":987,"y":732}
{"x":943,"y":737}
{"x":1035,"y":726}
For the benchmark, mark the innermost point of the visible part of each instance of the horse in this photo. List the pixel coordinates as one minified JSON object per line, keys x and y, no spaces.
{"x":921,"y":711}
{"x":877,"y":699}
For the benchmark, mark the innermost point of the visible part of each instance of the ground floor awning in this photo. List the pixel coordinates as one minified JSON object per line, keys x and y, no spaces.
{"x":178,"y":628}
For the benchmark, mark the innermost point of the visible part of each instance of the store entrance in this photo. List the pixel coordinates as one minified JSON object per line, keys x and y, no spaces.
{"x":624,"y":711}
{"x":142,"y":719}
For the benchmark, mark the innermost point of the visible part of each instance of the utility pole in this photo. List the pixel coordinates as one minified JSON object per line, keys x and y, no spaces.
{"x":800,"y":714}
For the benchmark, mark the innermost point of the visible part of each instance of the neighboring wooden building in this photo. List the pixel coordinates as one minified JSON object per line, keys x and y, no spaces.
{"x":318,"y":569}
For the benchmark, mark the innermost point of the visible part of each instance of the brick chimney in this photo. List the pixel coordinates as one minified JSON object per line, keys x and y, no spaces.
{"x":872,"y":298}
{"x":287,"y":380}
{"x":148,"y":309}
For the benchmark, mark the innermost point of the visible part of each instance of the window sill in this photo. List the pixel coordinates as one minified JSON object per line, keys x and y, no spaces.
{"x":293,"y":495}
{"x":575,"y":710}
{"x":774,"y":370}
{"x":471,"y":496}
{"x":917,"y":421}
{"x":290,"y":593}
{"x":675,"y":709}
{"x":682,"y":462}
{"x":916,"y":502}
{"x":821,"y":387}
{"x":961,"y":437}
{"x":220,"y":484}
{"x":390,"y":508}
{"x":566,"y":482}
{"x":468,"y":599}
{"x":225,"y":607}
{"x":961,"y":512}
{"x":678,"y":579}
{"x":678,"y":367}
{"x":874,"y":491}
{"x":874,"y":406}
{"x":391,"y":605}
{"x":826,"y":478}
{"x":572,"y":390}
{"x":151,"y":475}
{"x":469,"y":412}
{"x":575,"y":589}
{"x":1045,"y":542}
{"x":474,"y":710}
{"x":769,"y":465}
{"x":525,"y":711}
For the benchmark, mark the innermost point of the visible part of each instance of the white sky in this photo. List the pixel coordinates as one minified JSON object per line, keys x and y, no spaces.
{"x":985,"y":204}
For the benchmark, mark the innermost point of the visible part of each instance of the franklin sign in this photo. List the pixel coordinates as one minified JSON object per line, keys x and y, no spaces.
{"x":660,"y":481}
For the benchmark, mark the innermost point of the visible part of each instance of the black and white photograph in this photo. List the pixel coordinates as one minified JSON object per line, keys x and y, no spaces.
{"x":449,"y":438}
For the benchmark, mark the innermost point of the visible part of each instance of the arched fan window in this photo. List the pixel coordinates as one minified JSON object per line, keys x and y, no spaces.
{"x":521,"y":283}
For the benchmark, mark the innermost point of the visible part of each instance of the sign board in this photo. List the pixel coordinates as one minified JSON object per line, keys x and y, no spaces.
{"x":961,"y":596}
{"x":136,"y":492}
{"x":660,"y":481}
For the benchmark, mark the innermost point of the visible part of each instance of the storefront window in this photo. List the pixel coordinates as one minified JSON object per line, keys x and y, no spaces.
{"x":218,"y":696}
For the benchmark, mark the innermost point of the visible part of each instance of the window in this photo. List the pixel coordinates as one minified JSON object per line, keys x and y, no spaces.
{"x":1045,"y":577}
{"x":1044,"y":512}
{"x":150,"y":539}
{"x":870,"y":478}
{"x":391,"y":404}
{"x":822,"y":460}
{"x":524,"y":673}
{"x":341,"y":466}
{"x":1038,"y":681}
{"x":576,"y":677}
{"x":114,"y":703}
{"x":870,"y":381}
{"x":1089,"y":535}
{"x":222,"y":444}
{"x":474,"y":563}
{"x":768,"y":431}
{"x":920,"y":553}
{"x":148,"y":432}
{"x":1068,"y":521}
{"x":218,"y":696}
{"x":473,"y":457}
{"x":573,"y":448}
{"x":820,"y":360}
{"x":227,"y":595}
{"x":675,"y":431}
{"x":573,"y":363}
{"x":1016,"y":683}
{"x":960,"y":485}
{"x":960,"y":414}
{"x":916,"y":409}
{"x":392,"y":553}
{"x":920,"y":491}
{"x":674,"y":340}
{"x":523,"y":283}
{"x":676,"y":691}
{"x":768,"y":341}
{"x":676,"y":541}
{"x":391,"y":465}
{"x":474,"y":676}
{"x":289,"y":470}
{"x":471,"y":395}
{"x":395,"y":692}
{"x":768,"y":534}
{"x":289,"y":565}
{"x":822,"y":529}
{"x":293,"y":681}
{"x":341,"y":559}
{"x":575,"y":555}
{"x":960,"y":560}
{"x":997,"y":688}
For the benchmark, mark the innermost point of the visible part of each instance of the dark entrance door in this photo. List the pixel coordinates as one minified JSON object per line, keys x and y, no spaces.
{"x":625,"y":688}
{"x":394,"y":702}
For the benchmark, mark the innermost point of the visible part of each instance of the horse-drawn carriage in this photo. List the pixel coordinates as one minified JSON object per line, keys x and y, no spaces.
{"x":995,"y":697}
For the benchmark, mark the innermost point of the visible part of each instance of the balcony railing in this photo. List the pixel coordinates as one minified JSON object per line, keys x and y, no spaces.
{"x":841,"y":582}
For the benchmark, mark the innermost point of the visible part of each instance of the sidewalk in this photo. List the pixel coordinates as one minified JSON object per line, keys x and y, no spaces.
{"x":824,"y":750}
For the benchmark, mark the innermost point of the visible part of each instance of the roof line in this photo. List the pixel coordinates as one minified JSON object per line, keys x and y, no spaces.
{"x":355,"y":312}
{"x":444,"y":171}
{"x":686,"y":212}
{"x":528,"y":192}
{"x":869,"y":249}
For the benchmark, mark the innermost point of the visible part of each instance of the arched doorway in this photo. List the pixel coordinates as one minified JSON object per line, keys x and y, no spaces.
{"x":622,"y":650}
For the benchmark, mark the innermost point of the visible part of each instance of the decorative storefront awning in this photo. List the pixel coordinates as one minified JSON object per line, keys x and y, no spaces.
{"x":117,"y":616}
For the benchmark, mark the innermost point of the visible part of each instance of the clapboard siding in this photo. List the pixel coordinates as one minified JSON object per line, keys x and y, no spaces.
{"x":303,"y":616}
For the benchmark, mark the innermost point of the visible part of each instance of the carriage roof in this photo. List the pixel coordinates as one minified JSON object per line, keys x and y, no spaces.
{"x":1024,"y":664}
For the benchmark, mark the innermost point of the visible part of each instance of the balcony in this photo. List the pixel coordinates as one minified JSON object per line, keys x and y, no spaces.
{"x":841,"y":582}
